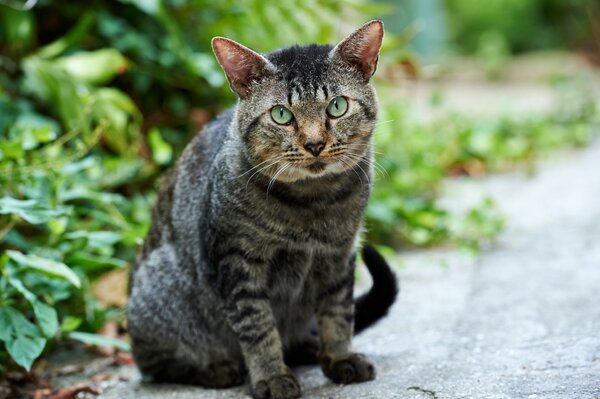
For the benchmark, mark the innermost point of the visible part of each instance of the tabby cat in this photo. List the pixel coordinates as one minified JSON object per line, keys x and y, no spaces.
{"x":248,"y":267}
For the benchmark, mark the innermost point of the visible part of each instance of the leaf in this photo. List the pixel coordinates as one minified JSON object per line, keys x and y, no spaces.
{"x":45,"y":315}
{"x":99,"y":340}
{"x":152,"y":7}
{"x":46,"y":266}
{"x":30,"y":210}
{"x":23,"y":339}
{"x":90,"y":263}
{"x":70,"y":323}
{"x":25,"y":349}
{"x":94,"y":67}
{"x":34,"y":129}
{"x":96,"y":238}
{"x":5,"y":325}
{"x":18,"y":285}
{"x":47,"y":318}
{"x":161,"y":150}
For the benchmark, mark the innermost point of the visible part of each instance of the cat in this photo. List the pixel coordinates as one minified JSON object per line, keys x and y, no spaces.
{"x":248,"y":267}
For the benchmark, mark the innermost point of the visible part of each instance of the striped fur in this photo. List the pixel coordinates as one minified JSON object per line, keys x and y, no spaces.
{"x":252,"y":247}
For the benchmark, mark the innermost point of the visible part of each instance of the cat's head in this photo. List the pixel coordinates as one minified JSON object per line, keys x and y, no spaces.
{"x":305,"y":111}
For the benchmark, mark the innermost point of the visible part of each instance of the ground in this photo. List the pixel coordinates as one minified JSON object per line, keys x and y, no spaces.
{"x":520,"y":320}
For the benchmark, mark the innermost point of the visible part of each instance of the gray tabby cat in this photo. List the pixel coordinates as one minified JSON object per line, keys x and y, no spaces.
{"x":248,"y":267}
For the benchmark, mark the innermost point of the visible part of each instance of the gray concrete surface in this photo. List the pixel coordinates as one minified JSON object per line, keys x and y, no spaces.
{"x":522,"y":320}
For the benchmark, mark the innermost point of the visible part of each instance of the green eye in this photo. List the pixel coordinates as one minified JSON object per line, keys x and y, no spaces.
{"x":281,"y":115}
{"x":337,"y":107}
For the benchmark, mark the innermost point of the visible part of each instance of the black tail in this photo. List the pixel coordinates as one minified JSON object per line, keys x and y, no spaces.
{"x":369,"y":308}
{"x":374,"y":304}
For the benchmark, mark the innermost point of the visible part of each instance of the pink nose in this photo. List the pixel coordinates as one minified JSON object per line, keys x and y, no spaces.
{"x":314,"y":148}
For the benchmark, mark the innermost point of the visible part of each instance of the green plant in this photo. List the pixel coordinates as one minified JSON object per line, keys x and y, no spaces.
{"x":521,"y":25}
{"x":404,"y":208}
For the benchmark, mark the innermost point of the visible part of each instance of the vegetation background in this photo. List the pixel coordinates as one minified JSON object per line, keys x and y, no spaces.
{"x":98,"y":98}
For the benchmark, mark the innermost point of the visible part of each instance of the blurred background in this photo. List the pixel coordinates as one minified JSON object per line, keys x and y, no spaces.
{"x":98,"y":98}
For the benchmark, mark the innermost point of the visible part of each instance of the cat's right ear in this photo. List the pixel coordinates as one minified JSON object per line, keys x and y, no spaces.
{"x":241,"y":65}
{"x":361,"y":48}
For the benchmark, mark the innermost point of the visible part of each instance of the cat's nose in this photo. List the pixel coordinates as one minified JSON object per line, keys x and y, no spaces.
{"x":314,"y":147}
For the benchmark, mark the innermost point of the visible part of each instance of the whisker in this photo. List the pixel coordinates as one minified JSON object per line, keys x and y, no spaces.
{"x":371,"y":162}
{"x":351,"y":167}
{"x":384,"y":122}
{"x":260,"y":170}
{"x":279,"y":171}
{"x":259,"y":164}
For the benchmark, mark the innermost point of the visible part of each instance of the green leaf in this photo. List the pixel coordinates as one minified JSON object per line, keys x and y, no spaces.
{"x":46,"y":266}
{"x":99,"y":340}
{"x":5,"y":325}
{"x":24,"y":341}
{"x":161,"y":150}
{"x":47,"y":318}
{"x":18,"y":285}
{"x":33,"y":129}
{"x":45,"y":315}
{"x":70,"y":323}
{"x":30,"y":210}
{"x":94,"y":67}
{"x":90,"y":263}
{"x":25,"y":349}
{"x":96,"y":238}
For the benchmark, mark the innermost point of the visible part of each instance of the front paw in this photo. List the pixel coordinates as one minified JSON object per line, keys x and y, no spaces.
{"x":283,"y":386}
{"x":354,"y":368}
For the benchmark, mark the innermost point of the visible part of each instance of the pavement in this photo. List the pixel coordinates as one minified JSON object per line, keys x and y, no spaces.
{"x":520,"y":320}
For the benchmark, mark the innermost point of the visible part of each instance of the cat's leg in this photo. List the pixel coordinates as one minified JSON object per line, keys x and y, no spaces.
{"x":250,"y":316}
{"x":335,"y":320}
{"x":162,"y":366}
{"x":171,"y":341}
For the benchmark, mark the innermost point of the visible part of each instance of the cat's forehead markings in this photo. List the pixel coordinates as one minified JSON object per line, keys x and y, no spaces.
{"x":294,"y":95}
{"x":297,"y":93}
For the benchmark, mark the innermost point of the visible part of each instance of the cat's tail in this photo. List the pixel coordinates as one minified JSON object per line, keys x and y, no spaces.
{"x":374,"y":304}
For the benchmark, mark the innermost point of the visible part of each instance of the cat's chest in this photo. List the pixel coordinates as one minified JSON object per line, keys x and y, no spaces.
{"x":289,"y":275}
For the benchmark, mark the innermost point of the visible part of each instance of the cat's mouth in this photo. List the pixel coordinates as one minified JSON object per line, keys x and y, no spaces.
{"x":317,"y":166}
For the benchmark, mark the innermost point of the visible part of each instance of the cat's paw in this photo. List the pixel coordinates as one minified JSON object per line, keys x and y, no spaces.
{"x":354,"y":368}
{"x":283,"y":386}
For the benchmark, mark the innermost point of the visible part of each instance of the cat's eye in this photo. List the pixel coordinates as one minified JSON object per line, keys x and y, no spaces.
{"x":337,"y":107}
{"x":281,"y":115}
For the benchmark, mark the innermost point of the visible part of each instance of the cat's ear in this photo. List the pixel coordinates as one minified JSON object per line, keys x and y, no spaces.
{"x":241,"y":65}
{"x":361,"y":48}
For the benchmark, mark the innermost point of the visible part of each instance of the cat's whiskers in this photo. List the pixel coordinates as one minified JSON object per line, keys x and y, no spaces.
{"x":371,"y":162}
{"x":279,"y":171}
{"x":350,"y":165}
{"x":384,"y":122}
{"x":259,"y":164}
{"x":277,"y":160}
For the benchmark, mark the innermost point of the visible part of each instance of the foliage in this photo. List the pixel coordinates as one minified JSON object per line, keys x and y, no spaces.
{"x":404,"y":207}
{"x":520,"y":25}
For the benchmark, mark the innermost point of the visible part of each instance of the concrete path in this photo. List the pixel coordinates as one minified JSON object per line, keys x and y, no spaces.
{"x":520,"y":321}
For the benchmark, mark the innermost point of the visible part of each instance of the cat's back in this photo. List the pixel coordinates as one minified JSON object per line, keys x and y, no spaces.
{"x":203,"y":148}
{"x":183,"y":188}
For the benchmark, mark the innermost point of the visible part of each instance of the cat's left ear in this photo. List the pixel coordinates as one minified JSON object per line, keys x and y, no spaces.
{"x":361,"y":48}
{"x":241,"y":65}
